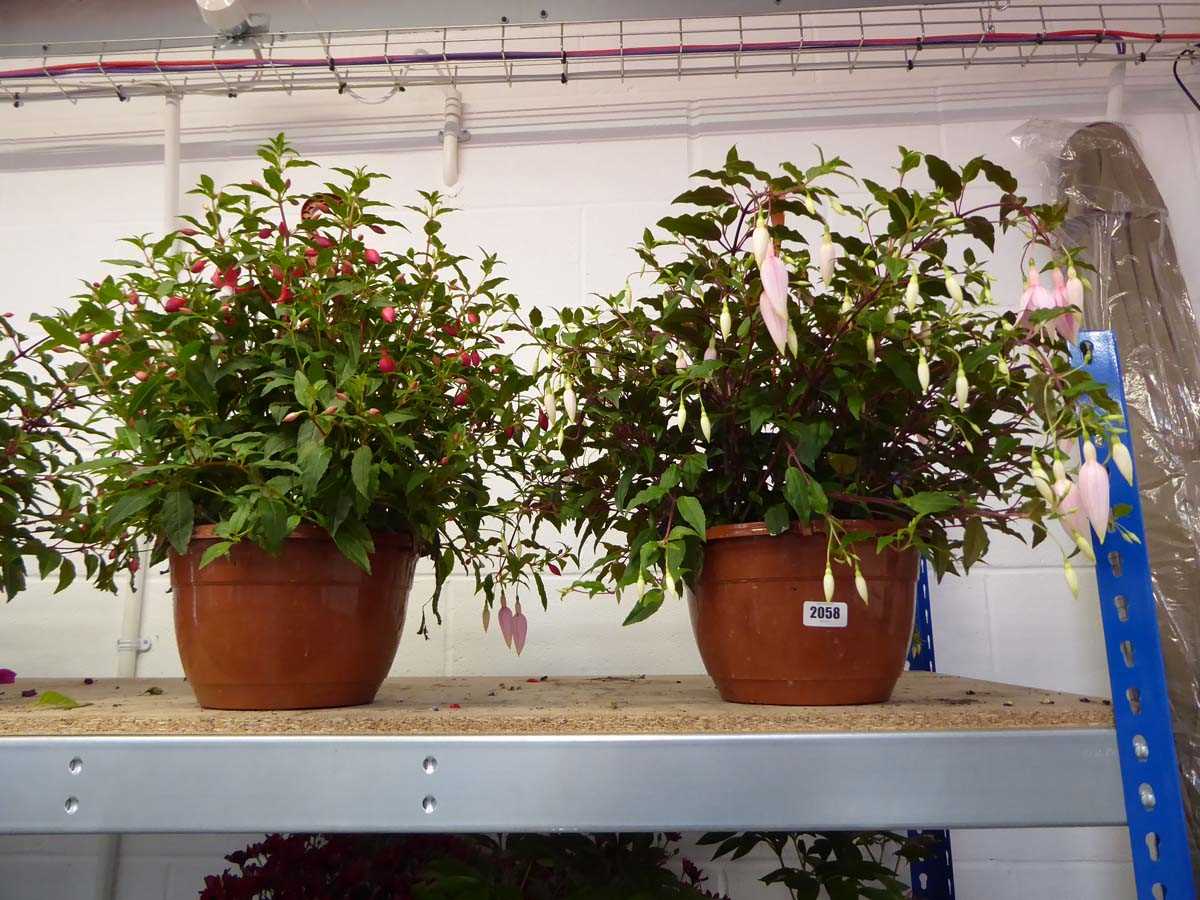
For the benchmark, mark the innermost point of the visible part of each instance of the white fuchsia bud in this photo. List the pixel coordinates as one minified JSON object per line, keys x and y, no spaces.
{"x":828,"y":257}
{"x":1084,"y":545}
{"x":923,"y":371}
{"x":912,"y":293}
{"x":761,"y":240}
{"x":1040,"y":481}
{"x":705,"y":424}
{"x":550,"y":404}
{"x":726,"y":320}
{"x":681,"y":417}
{"x":860,"y":583}
{"x":870,"y":348}
{"x":827,"y":583}
{"x":570,"y":402}
{"x":793,"y":342}
{"x":847,"y":303}
{"x":1074,"y":288}
{"x":681,"y":361}
{"x":961,"y":389}
{"x":1071,"y":577}
{"x":953,"y":289}
{"x":711,"y":352}
{"x":1062,"y":484}
{"x":1122,"y":460}
{"x":810,"y":204}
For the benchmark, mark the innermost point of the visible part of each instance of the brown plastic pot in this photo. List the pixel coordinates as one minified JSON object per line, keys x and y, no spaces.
{"x":758,"y":644}
{"x":300,"y":630}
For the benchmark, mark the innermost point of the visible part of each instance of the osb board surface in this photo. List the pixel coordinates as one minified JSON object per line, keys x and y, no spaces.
{"x":506,"y":706}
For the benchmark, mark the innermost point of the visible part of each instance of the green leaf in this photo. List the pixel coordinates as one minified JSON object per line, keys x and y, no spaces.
{"x":944,"y":177}
{"x":929,"y":502}
{"x":759,"y":416}
{"x":129,"y":505}
{"x":694,"y":226}
{"x":314,"y":460}
{"x":777,"y":519}
{"x":646,"y":606}
{"x":66,"y":574}
{"x":693,"y":514}
{"x":177,"y":518}
{"x":303,"y":389}
{"x":55,"y":700}
{"x":360,"y":469}
{"x":795,"y":491}
{"x":706,"y":195}
{"x":354,"y":540}
{"x":214,"y":551}
{"x":646,"y":496}
{"x":975,"y":542}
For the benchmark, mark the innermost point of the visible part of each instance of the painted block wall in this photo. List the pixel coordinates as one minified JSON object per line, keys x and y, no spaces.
{"x":560,"y":182}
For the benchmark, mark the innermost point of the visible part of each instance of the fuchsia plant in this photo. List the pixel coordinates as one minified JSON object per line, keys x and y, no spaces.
{"x":866,"y":376}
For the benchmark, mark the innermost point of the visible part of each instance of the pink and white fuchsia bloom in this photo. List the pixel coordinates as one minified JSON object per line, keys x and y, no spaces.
{"x":775,"y":281}
{"x":1035,"y":296}
{"x":1093,"y":490}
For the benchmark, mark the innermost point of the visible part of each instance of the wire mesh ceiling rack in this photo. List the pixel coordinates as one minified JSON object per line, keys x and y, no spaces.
{"x":373,"y":65}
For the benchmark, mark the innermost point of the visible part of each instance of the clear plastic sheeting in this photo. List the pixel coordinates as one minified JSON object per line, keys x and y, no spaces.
{"x":1118,"y":216}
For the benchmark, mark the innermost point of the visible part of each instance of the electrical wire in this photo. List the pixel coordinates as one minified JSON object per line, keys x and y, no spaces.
{"x":150,"y":67}
{"x":1190,"y":53}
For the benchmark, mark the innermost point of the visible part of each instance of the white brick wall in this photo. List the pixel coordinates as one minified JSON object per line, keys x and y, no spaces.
{"x":560,"y":181}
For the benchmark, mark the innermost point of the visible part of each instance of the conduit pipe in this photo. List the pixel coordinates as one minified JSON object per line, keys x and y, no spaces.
{"x":1115,"y":107}
{"x":452,"y":134}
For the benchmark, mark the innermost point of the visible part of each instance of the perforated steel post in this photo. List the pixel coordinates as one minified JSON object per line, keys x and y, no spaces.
{"x":1146,"y":745}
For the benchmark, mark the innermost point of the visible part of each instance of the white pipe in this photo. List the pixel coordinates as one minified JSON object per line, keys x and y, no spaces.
{"x":450,"y":135}
{"x":1115,"y":108}
{"x":171,"y":163}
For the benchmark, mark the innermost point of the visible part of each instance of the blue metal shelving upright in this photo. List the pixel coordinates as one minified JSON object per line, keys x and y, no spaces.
{"x":1146,"y":744}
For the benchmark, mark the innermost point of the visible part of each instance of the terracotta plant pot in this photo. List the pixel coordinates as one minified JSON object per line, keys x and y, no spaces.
{"x":300,"y":630}
{"x":767,"y":636}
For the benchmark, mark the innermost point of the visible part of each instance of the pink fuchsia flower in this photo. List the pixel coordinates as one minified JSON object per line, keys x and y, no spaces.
{"x":372,"y":257}
{"x":775,"y":282}
{"x":7,"y":676}
{"x":1035,"y":297}
{"x":388,"y":313}
{"x":775,"y":322}
{"x":1068,"y":325}
{"x":505,"y":620}
{"x":1093,"y":490}
{"x":1074,"y":519}
{"x":520,"y":629}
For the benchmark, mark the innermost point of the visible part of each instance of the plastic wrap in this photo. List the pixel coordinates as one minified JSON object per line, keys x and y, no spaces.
{"x":1117,"y":214}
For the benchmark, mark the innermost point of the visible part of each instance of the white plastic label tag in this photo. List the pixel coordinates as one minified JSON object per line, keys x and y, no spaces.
{"x":818,"y":614}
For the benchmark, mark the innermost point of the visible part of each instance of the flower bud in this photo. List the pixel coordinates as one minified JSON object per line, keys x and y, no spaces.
{"x":860,"y":583}
{"x":760,"y":243}
{"x":141,"y":375}
{"x":1071,"y":577}
{"x":912,"y":293}
{"x":388,"y":313}
{"x":827,"y":583}
{"x":681,"y":420}
{"x":1040,"y":481}
{"x":174,"y":304}
{"x":86,"y":337}
{"x":1084,"y":545}
{"x":705,"y":424}
{"x":923,"y":371}
{"x":487,"y":617}
{"x":961,"y":389}
{"x":570,"y":402}
{"x":1122,"y":460}
{"x":293,"y":416}
{"x":953,"y":289}
{"x":372,"y":257}
{"x":870,"y":348}
{"x":711,"y":353}
{"x":109,"y":337}
{"x":793,"y":343}
{"x":828,"y":257}
{"x":726,"y":320}
{"x":810,"y":204}
{"x":387,"y":364}
{"x":681,"y":361}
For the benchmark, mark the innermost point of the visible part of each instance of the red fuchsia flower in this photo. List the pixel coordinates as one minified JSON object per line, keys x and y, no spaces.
{"x":775,"y":282}
{"x":1093,"y":490}
{"x":322,"y":241}
{"x":8,"y":676}
{"x":372,"y":257}
{"x":86,"y":337}
{"x":377,"y":229}
{"x":174,"y":304}
{"x":476,"y":359}
{"x":199,"y":266}
{"x":450,"y":329}
{"x":473,"y":317}
{"x":555,"y":570}
{"x":285,"y":295}
{"x":464,"y":358}
{"x":509,"y":432}
{"x":504,"y":619}
{"x":134,"y":565}
{"x":310,"y":253}
{"x":109,"y":338}
{"x":388,"y":313}
{"x":141,"y":375}
{"x":133,"y":298}
{"x":276,"y":272}
{"x":188,"y":232}
{"x":345,"y":267}
{"x":520,"y":629}
{"x":462,"y":397}
{"x":1035,"y":297}
{"x":266,"y":231}
{"x":776,"y":323}
{"x":543,"y":420}
{"x":386,"y":364}
{"x":283,"y":229}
